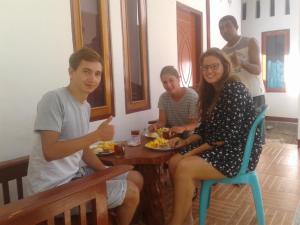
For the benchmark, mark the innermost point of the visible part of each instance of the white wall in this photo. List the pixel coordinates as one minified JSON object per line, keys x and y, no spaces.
{"x":35,"y":43}
{"x":281,"y":104}
{"x":162,"y":50}
{"x":299,"y":91}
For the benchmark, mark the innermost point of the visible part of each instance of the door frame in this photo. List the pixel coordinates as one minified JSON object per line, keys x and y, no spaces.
{"x":199,"y":35}
{"x":207,"y":5}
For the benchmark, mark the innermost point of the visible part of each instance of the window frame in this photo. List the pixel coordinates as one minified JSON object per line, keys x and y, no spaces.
{"x":264,"y":36}
{"x":257,"y":9}
{"x":130,"y":105}
{"x":244,"y":11}
{"x":272,"y":7}
{"x":107,"y":110}
{"x":287,"y":7}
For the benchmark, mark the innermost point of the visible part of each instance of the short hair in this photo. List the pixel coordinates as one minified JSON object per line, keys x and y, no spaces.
{"x":86,"y":54}
{"x":231,"y":19}
{"x":169,"y":70}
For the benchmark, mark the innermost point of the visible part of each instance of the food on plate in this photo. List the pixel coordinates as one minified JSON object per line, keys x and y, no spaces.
{"x":160,"y":131}
{"x":158,"y":143}
{"x":103,"y":147}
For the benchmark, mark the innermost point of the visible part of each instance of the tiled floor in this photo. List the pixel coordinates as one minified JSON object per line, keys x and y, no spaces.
{"x":279,"y":174}
{"x":282,"y":131}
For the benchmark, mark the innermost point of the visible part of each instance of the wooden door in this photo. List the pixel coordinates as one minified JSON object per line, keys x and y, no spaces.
{"x":189,"y":44}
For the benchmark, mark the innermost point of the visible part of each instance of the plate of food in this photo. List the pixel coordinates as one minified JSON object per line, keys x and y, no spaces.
{"x":103,"y":147}
{"x":161,"y":130}
{"x":159,"y":144}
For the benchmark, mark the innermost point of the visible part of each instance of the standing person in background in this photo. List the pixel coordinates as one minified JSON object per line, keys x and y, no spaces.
{"x":62,"y":123}
{"x":243,"y":53}
{"x":177,"y":105}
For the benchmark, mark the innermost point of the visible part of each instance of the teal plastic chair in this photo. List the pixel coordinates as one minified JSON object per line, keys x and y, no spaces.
{"x":243,"y":177}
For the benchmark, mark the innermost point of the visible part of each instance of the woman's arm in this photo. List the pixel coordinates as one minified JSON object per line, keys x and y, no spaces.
{"x":204,"y":147}
{"x":230,"y":115}
{"x":162,"y":120}
{"x":187,"y":127}
{"x":179,"y":142}
{"x":201,"y":148}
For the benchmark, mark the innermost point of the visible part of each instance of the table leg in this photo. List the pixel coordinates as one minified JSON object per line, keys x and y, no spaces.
{"x":152,"y":194}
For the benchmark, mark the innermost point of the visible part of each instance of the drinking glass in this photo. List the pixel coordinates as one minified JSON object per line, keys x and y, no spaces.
{"x":119,"y":149}
{"x":135,"y":137}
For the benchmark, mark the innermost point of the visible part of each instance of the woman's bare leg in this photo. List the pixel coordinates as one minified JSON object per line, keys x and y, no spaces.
{"x":187,"y":171}
{"x":172,"y":164}
{"x":189,"y":218}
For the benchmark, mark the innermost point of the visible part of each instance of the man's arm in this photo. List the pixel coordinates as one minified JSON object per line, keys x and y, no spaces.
{"x":253,"y":65}
{"x":53,"y":148}
{"x":90,"y":158}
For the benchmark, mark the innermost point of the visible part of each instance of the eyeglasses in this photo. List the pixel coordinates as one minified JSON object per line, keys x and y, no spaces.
{"x":213,"y":67}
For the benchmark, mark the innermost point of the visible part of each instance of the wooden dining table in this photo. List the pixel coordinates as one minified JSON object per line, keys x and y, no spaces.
{"x":150,"y":163}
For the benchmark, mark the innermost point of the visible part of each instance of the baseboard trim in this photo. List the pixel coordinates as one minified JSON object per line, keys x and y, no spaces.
{"x":282,"y":119}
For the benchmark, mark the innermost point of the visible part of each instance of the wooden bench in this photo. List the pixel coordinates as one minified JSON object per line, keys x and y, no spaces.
{"x":56,"y":204}
{"x":14,"y":169}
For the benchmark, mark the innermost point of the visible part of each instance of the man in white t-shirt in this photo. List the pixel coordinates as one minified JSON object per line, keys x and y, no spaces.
{"x":62,"y":123}
{"x":243,"y":53}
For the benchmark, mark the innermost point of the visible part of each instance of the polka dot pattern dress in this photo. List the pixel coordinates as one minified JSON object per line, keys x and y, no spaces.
{"x":230,"y":122}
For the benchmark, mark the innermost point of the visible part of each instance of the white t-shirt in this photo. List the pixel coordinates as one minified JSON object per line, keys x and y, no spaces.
{"x":252,"y":81}
{"x":57,"y":111}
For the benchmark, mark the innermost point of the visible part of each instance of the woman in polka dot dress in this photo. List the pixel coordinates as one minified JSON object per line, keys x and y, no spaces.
{"x":216,"y":149}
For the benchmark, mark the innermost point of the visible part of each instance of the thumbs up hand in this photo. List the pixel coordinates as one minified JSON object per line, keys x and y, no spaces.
{"x":106,"y":130}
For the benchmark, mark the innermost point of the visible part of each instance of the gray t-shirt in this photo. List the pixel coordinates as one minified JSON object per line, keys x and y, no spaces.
{"x":180,"y":112}
{"x":57,"y":111}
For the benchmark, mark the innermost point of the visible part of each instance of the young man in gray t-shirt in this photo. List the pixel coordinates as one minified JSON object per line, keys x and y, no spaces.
{"x":62,"y":123}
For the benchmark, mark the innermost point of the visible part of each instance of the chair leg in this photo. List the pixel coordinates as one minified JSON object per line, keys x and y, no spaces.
{"x":208,"y":200}
{"x":203,"y":202}
{"x":256,"y":192}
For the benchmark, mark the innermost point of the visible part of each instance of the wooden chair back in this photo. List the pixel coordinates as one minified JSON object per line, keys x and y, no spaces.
{"x":44,"y":207}
{"x":13,"y":170}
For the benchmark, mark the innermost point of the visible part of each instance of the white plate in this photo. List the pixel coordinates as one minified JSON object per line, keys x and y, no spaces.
{"x":151,"y":135}
{"x":105,"y":153}
{"x":163,"y":149}
{"x":95,"y":145}
{"x":133,"y":143}
{"x":99,"y":150}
